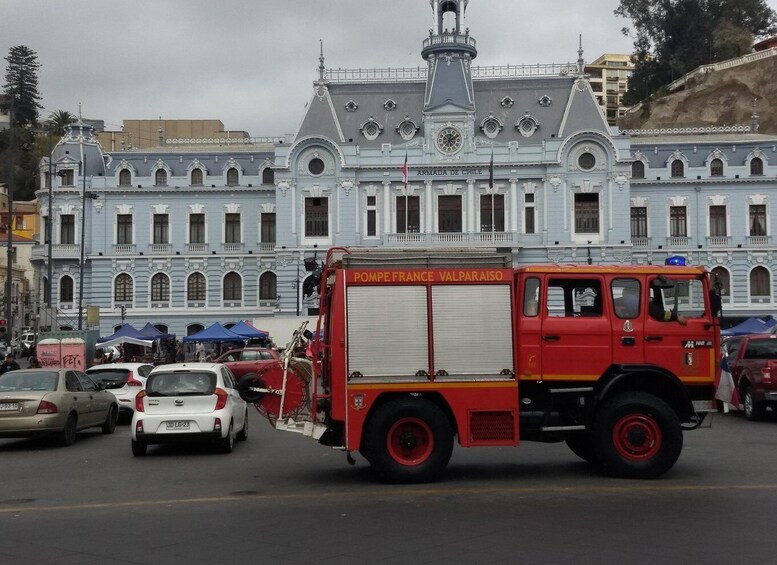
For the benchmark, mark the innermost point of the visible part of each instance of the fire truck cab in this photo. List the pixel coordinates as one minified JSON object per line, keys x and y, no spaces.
{"x":419,"y":348}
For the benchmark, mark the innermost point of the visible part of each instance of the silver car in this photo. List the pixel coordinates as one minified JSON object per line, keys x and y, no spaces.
{"x":54,"y":401}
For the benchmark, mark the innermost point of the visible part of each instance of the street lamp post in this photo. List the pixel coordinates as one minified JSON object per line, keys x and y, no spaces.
{"x":9,"y":270}
{"x":49,"y":226}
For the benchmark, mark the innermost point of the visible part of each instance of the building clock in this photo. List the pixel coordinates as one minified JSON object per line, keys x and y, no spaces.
{"x":449,"y":140}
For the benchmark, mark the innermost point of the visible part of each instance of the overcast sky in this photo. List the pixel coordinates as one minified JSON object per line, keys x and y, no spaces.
{"x":251,"y":63}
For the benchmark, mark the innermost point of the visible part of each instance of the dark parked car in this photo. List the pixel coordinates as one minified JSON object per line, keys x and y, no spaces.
{"x":248,"y":360}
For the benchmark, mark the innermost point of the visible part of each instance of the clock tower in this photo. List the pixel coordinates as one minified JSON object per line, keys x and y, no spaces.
{"x":449,"y":101}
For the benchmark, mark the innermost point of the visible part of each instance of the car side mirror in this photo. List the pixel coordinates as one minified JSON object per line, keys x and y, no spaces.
{"x":101,"y":385}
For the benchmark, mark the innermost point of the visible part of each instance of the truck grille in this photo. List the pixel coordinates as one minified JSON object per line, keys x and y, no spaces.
{"x":490,"y":426}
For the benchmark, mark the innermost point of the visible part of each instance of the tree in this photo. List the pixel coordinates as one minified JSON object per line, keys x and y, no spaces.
{"x":673,"y":37}
{"x":58,"y":120}
{"x":21,"y":83}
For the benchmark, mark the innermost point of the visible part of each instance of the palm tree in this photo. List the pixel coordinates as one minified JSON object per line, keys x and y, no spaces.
{"x":58,"y":120}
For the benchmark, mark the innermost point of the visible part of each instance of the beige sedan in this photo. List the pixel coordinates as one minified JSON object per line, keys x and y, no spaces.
{"x":54,"y":401}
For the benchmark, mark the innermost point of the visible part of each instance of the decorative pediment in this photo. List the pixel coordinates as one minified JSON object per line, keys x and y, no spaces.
{"x":371,"y":190}
{"x":678,"y":200}
{"x":267,"y":208}
{"x":529,"y":187}
{"x":232,"y":208}
{"x":160,"y":208}
{"x":196,"y":208}
{"x":124,"y":209}
{"x":126,"y":165}
{"x":639,"y":202}
{"x":757,"y":199}
{"x":450,"y":189}
{"x":232,"y":164}
{"x":160,"y":164}
{"x":197,"y":164}
{"x":718,"y":200}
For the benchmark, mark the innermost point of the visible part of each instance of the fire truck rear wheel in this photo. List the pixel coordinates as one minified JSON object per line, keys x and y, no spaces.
{"x":245,"y":383}
{"x":637,"y":436}
{"x":408,"y":440}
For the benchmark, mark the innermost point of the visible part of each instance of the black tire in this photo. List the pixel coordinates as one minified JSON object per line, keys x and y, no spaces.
{"x":109,"y":426}
{"x":582,"y":445}
{"x":68,"y":434}
{"x":408,"y":440}
{"x":226,"y":444}
{"x":242,"y":435}
{"x":247,"y":381}
{"x":139,"y":448}
{"x":754,"y":410}
{"x":637,"y":436}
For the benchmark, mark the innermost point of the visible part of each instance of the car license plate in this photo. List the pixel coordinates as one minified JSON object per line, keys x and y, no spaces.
{"x":178,"y":425}
{"x":5,"y":406}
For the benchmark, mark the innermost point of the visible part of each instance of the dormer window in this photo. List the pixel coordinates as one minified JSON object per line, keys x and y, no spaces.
{"x":756,"y":166}
{"x":160,"y":177}
{"x":351,"y":106}
{"x":407,"y":129}
{"x":390,"y":105}
{"x":68,"y":178}
{"x":268,"y":176}
{"x":196,"y":177}
{"x":638,"y":170}
{"x":507,"y":102}
{"x":125,"y":178}
{"x":678,"y":169}
{"x":491,"y":126}
{"x":527,"y":125}
{"x":716,"y":168}
{"x":232,"y":177}
{"x":371,"y":129}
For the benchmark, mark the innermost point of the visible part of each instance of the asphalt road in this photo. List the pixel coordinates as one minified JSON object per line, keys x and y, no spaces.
{"x":280,"y":498}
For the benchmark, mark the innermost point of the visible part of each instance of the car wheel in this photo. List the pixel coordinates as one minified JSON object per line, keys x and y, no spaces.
{"x":637,"y":436}
{"x":226,"y":444}
{"x":139,"y":448}
{"x":109,"y":426}
{"x":582,"y":445}
{"x":242,"y":435}
{"x":68,"y":434}
{"x":408,"y":440}
{"x":754,"y":410}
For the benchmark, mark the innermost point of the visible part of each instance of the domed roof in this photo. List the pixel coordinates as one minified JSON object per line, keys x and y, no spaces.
{"x":80,"y":136}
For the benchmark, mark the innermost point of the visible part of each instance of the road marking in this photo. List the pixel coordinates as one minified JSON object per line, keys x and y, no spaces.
{"x":389,"y":493}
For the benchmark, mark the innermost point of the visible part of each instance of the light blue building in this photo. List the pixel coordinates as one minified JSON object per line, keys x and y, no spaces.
{"x":511,"y":157}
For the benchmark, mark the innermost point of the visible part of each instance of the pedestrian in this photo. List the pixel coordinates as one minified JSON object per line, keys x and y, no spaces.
{"x":180,"y":357}
{"x":34,"y":363}
{"x":9,"y":364}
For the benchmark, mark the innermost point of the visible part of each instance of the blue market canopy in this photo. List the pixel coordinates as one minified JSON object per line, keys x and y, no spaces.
{"x":152,"y":333}
{"x":126,"y":334}
{"x":751,"y":326}
{"x":247,"y":330}
{"x":216,"y":332}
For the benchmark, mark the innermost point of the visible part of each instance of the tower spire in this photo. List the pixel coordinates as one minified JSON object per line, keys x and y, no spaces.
{"x":580,"y":60}
{"x":321,"y":68}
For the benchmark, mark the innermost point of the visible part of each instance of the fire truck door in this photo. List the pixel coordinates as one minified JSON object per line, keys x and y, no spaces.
{"x":629,"y":309}
{"x":685,"y":350}
{"x":576,"y":335}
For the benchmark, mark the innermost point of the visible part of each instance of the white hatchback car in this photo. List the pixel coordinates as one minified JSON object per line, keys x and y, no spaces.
{"x":124,"y":380}
{"x":189,"y":402}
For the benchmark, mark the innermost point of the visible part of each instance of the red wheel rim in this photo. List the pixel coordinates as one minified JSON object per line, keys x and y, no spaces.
{"x":637,"y":437}
{"x":410,"y":441}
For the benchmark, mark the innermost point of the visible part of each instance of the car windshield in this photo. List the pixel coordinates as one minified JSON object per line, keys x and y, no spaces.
{"x":28,"y":381}
{"x":189,"y":383}
{"x":113,"y":378}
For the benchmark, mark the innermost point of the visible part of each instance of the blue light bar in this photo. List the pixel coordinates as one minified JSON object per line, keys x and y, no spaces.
{"x":676,"y":260}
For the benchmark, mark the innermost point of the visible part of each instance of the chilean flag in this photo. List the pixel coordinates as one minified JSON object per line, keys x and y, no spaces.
{"x":404,"y":171}
{"x":491,"y":171}
{"x":726,"y":390}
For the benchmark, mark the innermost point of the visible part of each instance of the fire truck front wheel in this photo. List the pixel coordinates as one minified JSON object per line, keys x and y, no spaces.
{"x":637,"y":436}
{"x":408,"y":440}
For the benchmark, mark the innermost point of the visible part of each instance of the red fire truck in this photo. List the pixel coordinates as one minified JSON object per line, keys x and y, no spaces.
{"x":417,"y":348}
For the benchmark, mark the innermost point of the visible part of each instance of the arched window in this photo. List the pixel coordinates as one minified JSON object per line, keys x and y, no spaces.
{"x":268,"y":176}
{"x":125,"y":177}
{"x":721,"y":279}
{"x":192,"y":329}
{"x":759,"y":283}
{"x":195,"y":288}
{"x":160,"y":178}
{"x":638,"y":170}
{"x":232,"y":177}
{"x":678,"y":168}
{"x":160,"y":288}
{"x":233,"y":287}
{"x":267,"y":286}
{"x":122,"y":288}
{"x":196,"y":177}
{"x":66,"y":289}
{"x":756,"y":166}
{"x":716,"y":168}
